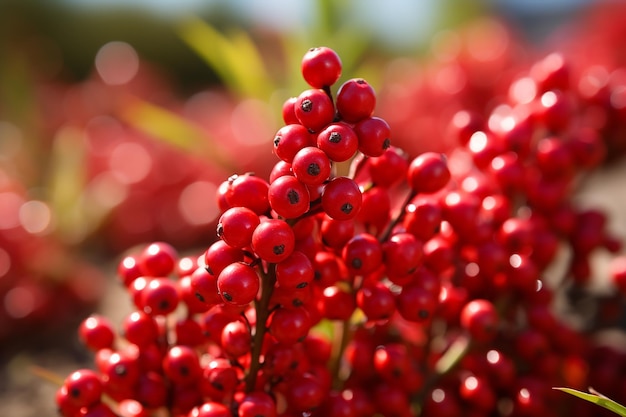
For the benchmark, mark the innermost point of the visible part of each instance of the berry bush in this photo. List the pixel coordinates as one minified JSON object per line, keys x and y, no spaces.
{"x":360,"y":280}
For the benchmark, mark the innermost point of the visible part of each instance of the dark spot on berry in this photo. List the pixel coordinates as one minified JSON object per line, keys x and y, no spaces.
{"x":164,"y":305}
{"x":317,"y":275}
{"x":386,"y":143}
{"x":279,"y":249}
{"x":120,"y":370}
{"x":227,"y":296}
{"x":347,"y":208}
{"x":209,"y":270}
{"x":302,"y":285}
{"x":356,"y":263}
{"x":396,"y":372}
{"x":313,"y":169}
{"x":423,"y":314}
{"x":334,"y":137}
{"x":220,"y":229}
{"x":293,"y":197}
{"x":199,"y":297}
{"x":361,"y":81}
{"x":184,"y":371}
{"x":306,"y":105}
{"x":276,"y":141}
{"x":217,"y":385}
{"x":75,"y":392}
{"x":297,"y":302}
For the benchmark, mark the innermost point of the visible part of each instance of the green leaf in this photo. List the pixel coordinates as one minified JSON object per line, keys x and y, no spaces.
{"x":598,"y":399}
{"x":235,"y":58}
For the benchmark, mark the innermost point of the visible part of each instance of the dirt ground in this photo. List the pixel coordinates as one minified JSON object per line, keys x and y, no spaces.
{"x":26,"y":393}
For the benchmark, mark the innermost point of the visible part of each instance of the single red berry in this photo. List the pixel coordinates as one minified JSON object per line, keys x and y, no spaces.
{"x":296,"y":271}
{"x":321,"y":67}
{"x":376,"y":301}
{"x":304,"y":393}
{"x":238,"y":284}
{"x":280,"y":169}
{"x":289,"y":325}
{"x":219,"y":255}
{"x":249,"y":191}
{"x":374,"y":135}
{"x":140,"y":329}
{"x":617,"y":273}
{"x":402,"y":254}
{"x":204,"y":287}
{"x":188,"y":332}
{"x":121,"y":370}
{"x":188,"y":294}
{"x":84,"y":388}
{"x":416,"y":303}
{"x":314,"y":109}
{"x":342,"y":198}
{"x":158,"y":259}
{"x":128,"y":269}
{"x":477,"y":391}
{"x":210,"y":409}
{"x":236,"y":225}
{"x":160,"y":297}
{"x":311,"y":166}
{"x":273,"y":240}
{"x":480,"y":318}
{"x":428,"y":173}
{"x":338,"y":141}
{"x":96,"y":332}
{"x":356,"y":100}
{"x":288,"y":111}
{"x":181,"y":365}
{"x":337,"y":304}
{"x":289,"y":197}
{"x":152,"y":390}
{"x":362,"y":254}
{"x":257,"y":404}
{"x":290,"y":139}
{"x":219,"y":379}
{"x":336,"y":233}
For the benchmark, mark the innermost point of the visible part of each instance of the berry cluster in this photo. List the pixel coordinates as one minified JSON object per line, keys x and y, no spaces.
{"x":409,"y":286}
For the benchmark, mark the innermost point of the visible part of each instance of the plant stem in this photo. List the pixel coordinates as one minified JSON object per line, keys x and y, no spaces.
{"x":341,"y":343}
{"x":262,"y":313}
{"x":387,"y":232}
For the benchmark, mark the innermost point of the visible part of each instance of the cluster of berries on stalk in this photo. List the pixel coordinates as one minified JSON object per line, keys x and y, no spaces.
{"x":406,"y":286}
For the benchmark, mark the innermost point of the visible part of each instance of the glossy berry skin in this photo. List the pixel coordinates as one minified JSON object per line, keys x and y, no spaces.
{"x":321,"y":67}
{"x":288,"y":197}
{"x":356,"y":100}
{"x":480,"y":318}
{"x":158,"y":259}
{"x":219,"y":255}
{"x":273,"y":240}
{"x":204,"y":287}
{"x":289,"y":325}
{"x":389,"y":168}
{"x":428,"y":173}
{"x":341,"y":198}
{"x":314,"y":109}
{"x":257,"y":404}
{"x":374,"y":135}
{"x":362,"y":254}
{"x":84,"y":388}
{"x":181,"y":365}
{"x":416,"y":304}
{"x":403,"y":253}
{"x":210,"y":409}
{"x":249,"y":191}
{"x":311,"y":166}
{"x":290,"y":139}
{"x":376,"y":301}
{"x":160,"y":297}
{"x":296,"y":271}
{"x":96,"y":332}
{"x":238,"y":284}
{"x":236,"y":225}
{"x":140,"y":329}
{"x":338,"y":141}
{"x":288,"y":111}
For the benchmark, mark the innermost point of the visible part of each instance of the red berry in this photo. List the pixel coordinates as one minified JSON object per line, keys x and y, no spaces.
{"x":182,"y":365}
{"x":158,"y":259}
{"x":289,"y":197}
{"x":160,"y":297}
{"x":249,"y":191}
{"x":428,"y":173}
{"x":273,"y":240}
{"x":289,"y":325}
{"x":342,"y":198}
{"x":236,"y":225}
{"x":84,"y":388}
{"x":480,"y":318}
{"x":290,"y":139}
{"x":96,"y":332}
{"x":219,"y":255}
{"x":257,"y":404}
{"x":338,"y":141}
{"x":356,"y":100}
{"x":314,"y":109}
{"x":296,"y":271}
{"x":311,"y":166}
{"x":374,"y":136}
{"x":321,"y":67}
{"x":210,"y":409}
{"x":238,"y":284}
{"x":362,"y":254}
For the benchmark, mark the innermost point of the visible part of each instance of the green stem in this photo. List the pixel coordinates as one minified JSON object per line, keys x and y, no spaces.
{"x":262,"y":313}
{"x":341,"y":344}
{"x":387,"y":232}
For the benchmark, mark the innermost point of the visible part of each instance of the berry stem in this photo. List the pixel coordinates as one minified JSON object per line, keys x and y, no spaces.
{"x":342,"y":337}
{"x":389,"y":229}
{"x":262,"y":309}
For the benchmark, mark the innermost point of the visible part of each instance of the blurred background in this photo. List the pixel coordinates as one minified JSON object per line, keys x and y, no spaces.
{"x":119,"y":120}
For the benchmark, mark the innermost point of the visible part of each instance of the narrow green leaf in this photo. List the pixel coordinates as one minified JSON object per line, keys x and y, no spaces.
{"x":600,"y":400}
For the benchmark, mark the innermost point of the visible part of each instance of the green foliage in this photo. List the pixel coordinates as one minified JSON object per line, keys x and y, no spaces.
{"x":597,"y":398}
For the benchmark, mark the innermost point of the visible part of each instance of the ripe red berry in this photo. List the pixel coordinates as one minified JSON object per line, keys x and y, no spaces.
{"x":288,"y":111}
{"x":338,"y":141}
{"x":342,"y":198}
{"x":84,"y":388}
{"x":238,"y":284}
{"x":356,"y":100}
{"x":321,"y":67}
{"x":160,"y":297}
{"x":210,"y":409}
{"x":311,"y":166}
{"x":314,"y":109}
{"x":480,"y":318}
{"x":257,"y":404}
{"x":219,"y":255}
{"x":181,"y":365}
{"x":158,"y":259}
{"x":289,"y":197}
{"x":289,"y":325}
{"x":296,"y":271}
{"x":96,"y":332}
{"x":362,"y":254}
{"x":236,"y":225}
{"x":273,"y":240}
{"x":249,"y":191}
{"x":374,"y":135}
{"x":290,"y":139}
{"x":428,"y":173}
